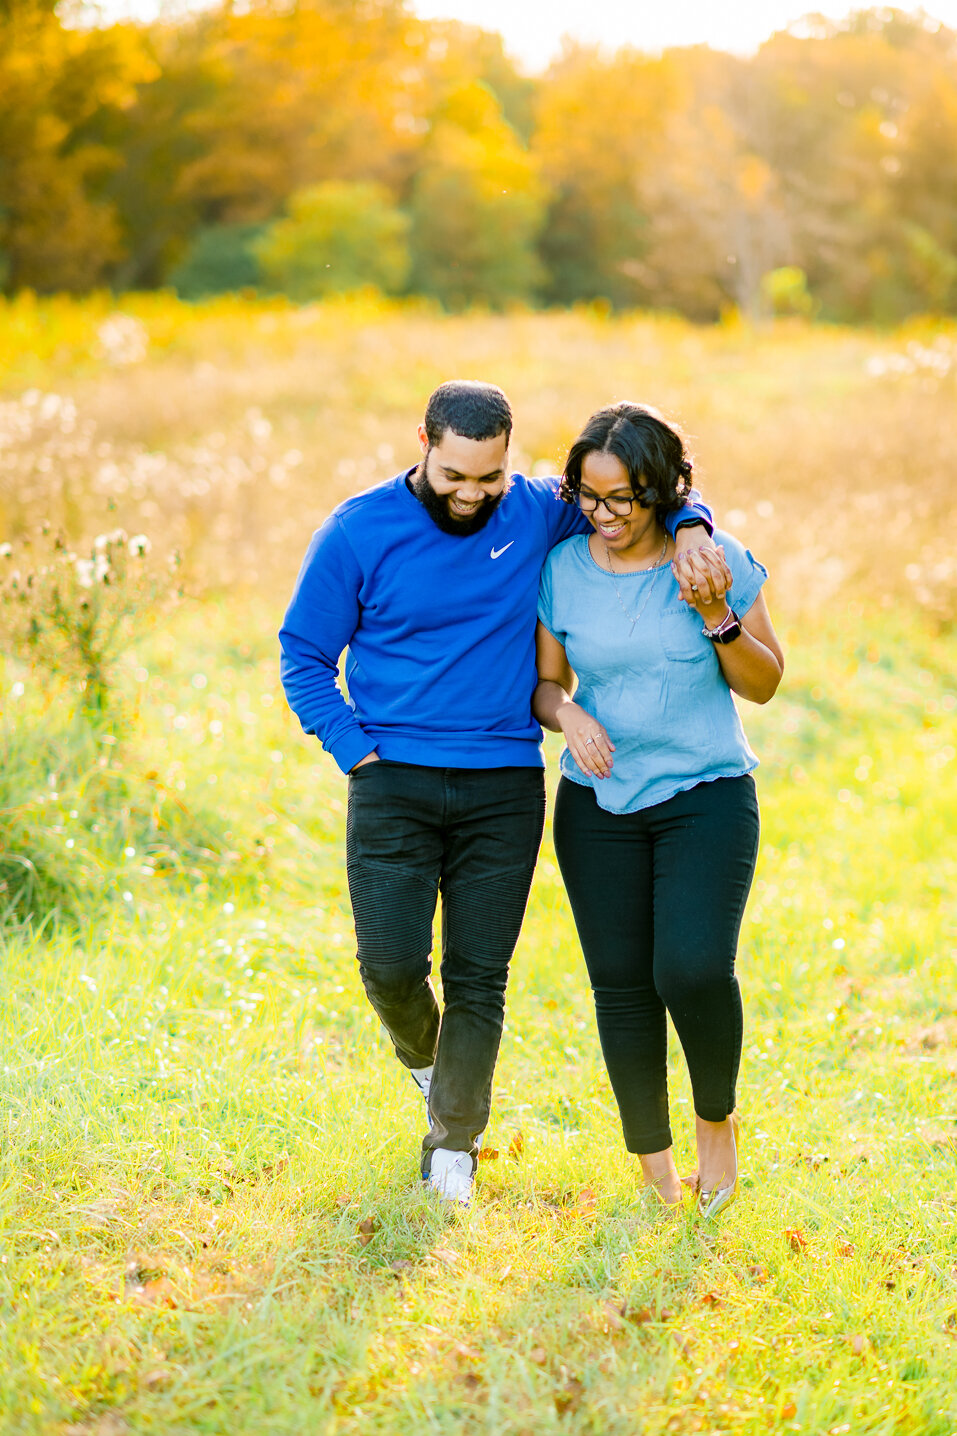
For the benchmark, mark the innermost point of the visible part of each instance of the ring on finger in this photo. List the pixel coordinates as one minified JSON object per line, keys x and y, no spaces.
{"x":588,"y":740}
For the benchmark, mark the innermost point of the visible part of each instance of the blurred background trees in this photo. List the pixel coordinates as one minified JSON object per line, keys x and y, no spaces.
{"x":328,"y":144}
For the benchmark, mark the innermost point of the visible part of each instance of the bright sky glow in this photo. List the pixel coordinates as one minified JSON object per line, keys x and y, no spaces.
{"x":533,"y":32}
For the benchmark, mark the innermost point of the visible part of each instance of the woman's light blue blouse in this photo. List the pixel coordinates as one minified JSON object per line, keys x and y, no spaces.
{"x":658,"y":691}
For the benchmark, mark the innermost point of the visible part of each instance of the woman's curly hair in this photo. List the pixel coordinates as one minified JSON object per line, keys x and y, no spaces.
{"x":650,"y":448}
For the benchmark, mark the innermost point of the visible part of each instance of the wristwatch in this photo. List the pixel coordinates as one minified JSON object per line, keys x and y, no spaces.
{"x":727,"y":630}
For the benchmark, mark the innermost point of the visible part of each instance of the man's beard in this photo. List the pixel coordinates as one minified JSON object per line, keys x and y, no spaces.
{"x":437,"y":505}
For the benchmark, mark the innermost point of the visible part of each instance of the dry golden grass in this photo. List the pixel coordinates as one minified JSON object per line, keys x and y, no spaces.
{"x":231,"y":428}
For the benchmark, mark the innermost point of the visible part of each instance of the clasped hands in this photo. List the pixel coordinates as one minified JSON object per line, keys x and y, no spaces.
{"x":704,"y":580}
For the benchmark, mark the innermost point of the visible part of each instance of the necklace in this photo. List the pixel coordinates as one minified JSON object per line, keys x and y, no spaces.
{"x":656,"y":569}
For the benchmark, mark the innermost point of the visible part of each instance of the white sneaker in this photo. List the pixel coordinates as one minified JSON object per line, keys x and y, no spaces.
{"x":450,"y":1174}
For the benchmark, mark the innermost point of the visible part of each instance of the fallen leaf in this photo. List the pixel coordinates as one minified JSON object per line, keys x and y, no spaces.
{"x":145,"y":1281}
{"x":161,"y":1292}
{"x":109,"y":1424}
{"x":639,"y":1315}
{"x":939,"y":1034}
{"x":691,"y":1180}
{"x":797,"y":1238}
{"x":367,"y":1230}
{"x":568,"y":1396}
{"x":488,"y":1154}
{"x":788,"y":1411}
{"x":400,"y":1266}
{"x":343,"y":1200}
{"x":711,"y":1298}
{"x":845,"y":1249}
{"x":937,"y":1138}
{"x":614,"y":1314}
{"x":516,"y":1146}
{"x":858,"y":1344}
{"x":538,"y":1356}
{"x":758,"y":1274}
{"x":274,"y":1169}
{"x":443,"y":1255}
{"x":856,"y":1156}
{"x":154,"y":1379}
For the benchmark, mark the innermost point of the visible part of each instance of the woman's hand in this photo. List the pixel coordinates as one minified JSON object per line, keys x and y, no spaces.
{"x":587,"y":740}
{"x":704,"y":580}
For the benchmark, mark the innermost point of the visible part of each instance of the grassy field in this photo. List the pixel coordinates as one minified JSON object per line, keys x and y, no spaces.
{"x":210,"y":1215}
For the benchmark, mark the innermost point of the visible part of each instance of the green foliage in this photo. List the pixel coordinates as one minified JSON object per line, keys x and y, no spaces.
{"x":337,"y":237}
{"x":931,"y":269}
{"x":220,"y":260}
{"x":785,"y":291}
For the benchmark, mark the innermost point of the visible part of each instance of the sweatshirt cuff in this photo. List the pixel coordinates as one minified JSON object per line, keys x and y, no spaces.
{"x":352,"y":746}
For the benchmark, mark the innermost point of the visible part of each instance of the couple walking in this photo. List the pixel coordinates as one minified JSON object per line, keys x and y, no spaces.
{"x":433,"y":582}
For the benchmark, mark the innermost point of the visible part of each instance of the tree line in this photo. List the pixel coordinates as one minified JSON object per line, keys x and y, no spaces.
{"x":310,"y":146}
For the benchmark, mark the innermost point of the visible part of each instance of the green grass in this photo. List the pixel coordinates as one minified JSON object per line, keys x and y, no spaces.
{"x":201,"y":1113}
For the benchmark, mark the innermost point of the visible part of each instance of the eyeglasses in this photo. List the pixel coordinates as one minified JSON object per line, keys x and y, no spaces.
{"x":618,"y":504}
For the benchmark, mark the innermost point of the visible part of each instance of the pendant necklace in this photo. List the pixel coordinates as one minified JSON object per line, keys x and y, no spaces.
{"x":656,"y":568}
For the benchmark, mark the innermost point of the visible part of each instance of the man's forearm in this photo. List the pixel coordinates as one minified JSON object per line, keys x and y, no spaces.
{"x":694,"y":515}
{"x":310,"y":682}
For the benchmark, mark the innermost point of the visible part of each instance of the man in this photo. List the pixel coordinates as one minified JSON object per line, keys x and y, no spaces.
{"x":431,"y":582}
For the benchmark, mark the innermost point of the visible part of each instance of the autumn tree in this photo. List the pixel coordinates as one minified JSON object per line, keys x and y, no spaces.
{"x":477,"y":206}
{"x":57,"y":230}
{"x":599,"y":137}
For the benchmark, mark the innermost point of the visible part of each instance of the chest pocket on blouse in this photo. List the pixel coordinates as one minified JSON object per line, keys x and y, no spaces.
{"x":681,"y":638}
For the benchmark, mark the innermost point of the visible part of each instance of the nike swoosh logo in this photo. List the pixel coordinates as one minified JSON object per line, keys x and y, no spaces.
{"x":497,"y":552}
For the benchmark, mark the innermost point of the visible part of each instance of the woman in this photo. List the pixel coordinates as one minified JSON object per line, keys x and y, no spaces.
{"x":656,"y":821}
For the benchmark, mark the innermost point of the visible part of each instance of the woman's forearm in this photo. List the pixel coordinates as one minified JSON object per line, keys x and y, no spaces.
{"x":547,"y":701}
{"x":750,"y":668}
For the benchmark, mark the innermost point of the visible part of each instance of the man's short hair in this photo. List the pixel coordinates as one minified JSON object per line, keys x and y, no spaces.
{"x":469,"y":408}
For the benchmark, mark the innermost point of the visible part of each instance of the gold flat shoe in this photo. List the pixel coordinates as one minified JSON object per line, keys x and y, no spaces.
{"x":712,"y":1203}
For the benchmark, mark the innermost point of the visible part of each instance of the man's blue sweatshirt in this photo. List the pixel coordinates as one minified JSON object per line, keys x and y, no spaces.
{"x":440,"y":629}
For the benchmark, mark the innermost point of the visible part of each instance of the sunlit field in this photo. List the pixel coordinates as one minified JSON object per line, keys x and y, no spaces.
{"x":211,"y":1216}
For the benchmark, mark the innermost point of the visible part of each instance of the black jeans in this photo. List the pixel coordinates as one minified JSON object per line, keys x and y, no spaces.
{"x":658,"y":898}
{"x":472,"y":834}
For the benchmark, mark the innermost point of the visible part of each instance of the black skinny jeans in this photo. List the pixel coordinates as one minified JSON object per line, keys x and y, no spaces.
{"x":474,"y":835}
{"x":658,"y":898}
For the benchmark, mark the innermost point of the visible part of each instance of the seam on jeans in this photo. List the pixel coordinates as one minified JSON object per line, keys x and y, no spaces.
{"x":387,"y":866}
